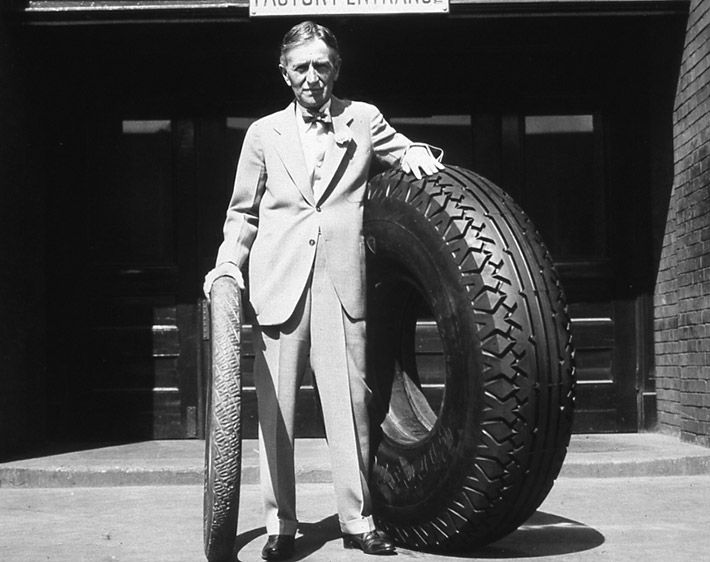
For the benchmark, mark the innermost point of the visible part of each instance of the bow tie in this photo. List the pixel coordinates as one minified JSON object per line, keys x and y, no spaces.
{"x":317,"y":117}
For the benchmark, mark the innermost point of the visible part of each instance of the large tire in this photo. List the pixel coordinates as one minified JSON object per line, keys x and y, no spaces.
{"x":455,"y":248}
{"x":223,"y":444}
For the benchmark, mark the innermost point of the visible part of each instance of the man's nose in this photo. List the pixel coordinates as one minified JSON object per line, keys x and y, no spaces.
{"x":312,"y":75}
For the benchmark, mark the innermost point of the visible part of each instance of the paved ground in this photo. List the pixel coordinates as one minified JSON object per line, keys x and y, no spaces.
{"x":615,"y":519}
{"x":619,"y":498}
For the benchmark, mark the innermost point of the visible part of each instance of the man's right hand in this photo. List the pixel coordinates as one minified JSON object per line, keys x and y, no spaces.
{"x":226,"y":269}
{"x":419,"y":160}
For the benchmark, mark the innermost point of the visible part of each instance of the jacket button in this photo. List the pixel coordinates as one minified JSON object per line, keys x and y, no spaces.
{"x":312,"y":242}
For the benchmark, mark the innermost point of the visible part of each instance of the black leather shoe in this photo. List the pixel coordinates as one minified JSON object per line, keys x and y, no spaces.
{"x":278,"y":547}
{"x":373,"y":542}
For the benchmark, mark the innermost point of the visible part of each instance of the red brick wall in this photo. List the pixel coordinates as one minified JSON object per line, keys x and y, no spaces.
{"x":682,"y":299}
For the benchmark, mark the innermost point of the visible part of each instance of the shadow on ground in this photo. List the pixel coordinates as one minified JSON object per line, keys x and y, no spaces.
{"x":544,"y":534}
{"x":312,"y":537}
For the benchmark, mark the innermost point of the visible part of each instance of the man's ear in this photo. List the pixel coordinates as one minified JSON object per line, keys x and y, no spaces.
{"x":284,"y":74}
{"x":336,"y":66}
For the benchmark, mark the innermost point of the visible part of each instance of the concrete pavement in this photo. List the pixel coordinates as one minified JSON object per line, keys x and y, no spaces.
{"x":619,"y":497}
{"x":583,"y":519}
{"x":182,"y":462}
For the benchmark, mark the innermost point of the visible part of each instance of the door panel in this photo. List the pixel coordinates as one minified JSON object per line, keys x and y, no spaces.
{"x":554,"y":165}
{"x":138,"y":340}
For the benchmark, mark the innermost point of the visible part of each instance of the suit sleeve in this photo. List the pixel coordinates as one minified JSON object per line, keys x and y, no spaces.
{"x":388,"y":145}
{"x":242,"y":222}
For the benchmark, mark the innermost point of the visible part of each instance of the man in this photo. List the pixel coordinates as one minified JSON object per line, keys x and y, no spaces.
{"x":296,"y":212}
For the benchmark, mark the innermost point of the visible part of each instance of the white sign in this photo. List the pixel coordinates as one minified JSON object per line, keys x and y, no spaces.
{"x":345,"y":7}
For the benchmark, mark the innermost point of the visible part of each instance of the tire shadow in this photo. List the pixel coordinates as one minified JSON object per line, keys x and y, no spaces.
{"x":544,"y":534}
{"x":243,"y":539}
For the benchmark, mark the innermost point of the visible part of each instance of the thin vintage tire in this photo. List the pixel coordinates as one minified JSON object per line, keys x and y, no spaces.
{"x":472,"y":469}
{"x":223,"y":442}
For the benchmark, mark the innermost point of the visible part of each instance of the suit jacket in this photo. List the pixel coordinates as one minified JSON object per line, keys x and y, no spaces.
{"x":274,"y":218}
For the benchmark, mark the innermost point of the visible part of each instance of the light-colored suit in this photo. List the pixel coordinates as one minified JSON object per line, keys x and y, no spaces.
{"x":307,"y":285}
{"x":274,"y":214}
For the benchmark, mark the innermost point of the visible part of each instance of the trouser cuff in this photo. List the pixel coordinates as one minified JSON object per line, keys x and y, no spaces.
{"x":358,"y":526}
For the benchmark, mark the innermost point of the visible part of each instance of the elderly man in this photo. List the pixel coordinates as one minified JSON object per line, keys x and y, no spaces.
{"x":296,"y":212}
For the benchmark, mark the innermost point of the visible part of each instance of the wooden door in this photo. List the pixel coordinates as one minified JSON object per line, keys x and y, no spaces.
{"x":557,"y":167}
{"x":140,"y":372}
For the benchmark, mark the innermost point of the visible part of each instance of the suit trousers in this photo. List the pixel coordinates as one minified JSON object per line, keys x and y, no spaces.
{"x":320,"y":329}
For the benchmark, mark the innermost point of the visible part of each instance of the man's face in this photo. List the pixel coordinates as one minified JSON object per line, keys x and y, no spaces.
{"x":311,"y":69}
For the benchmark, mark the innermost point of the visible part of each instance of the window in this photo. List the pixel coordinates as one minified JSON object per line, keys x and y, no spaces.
{"x":132,"y":214}
{"x":450,"y":132}
{"x":563,"y":187}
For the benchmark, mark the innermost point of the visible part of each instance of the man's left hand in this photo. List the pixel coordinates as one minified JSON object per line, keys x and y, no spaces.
{"x":419,"y":161}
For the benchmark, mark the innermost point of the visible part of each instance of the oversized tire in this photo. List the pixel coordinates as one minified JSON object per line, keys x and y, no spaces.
{"x":223,"y":444}
{"x":455,"y":250}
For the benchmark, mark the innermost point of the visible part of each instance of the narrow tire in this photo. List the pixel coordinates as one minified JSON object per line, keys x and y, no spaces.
{"x":223,"y":451}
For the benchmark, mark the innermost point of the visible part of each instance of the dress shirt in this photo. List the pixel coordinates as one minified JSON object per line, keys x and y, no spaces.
{"x":316,"y":138}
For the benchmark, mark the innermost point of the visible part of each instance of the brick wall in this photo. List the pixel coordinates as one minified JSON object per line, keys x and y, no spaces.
{"x":682,"y":299}
{"x":22,"y":299}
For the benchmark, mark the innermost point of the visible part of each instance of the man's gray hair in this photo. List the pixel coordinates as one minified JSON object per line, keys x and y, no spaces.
{"x":307,"y":31}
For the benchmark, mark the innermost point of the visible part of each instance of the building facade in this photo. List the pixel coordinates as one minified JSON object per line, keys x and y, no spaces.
{"x":122,"y":122}
{"x":682,"y":297}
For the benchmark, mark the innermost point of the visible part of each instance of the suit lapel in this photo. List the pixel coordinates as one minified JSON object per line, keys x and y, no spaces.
{"x":290,"y":151}
{"x":342,"y":136}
